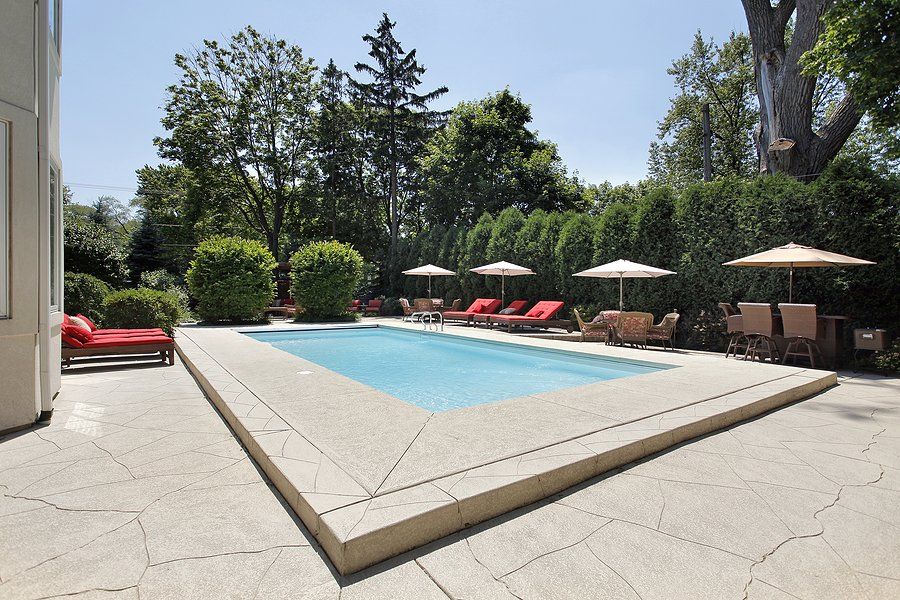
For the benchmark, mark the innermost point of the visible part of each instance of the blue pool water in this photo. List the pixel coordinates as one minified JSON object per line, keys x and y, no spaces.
{"x":441,"y":372}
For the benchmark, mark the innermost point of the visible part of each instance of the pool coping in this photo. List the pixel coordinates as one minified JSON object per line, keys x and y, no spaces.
{"x":358,"y":527}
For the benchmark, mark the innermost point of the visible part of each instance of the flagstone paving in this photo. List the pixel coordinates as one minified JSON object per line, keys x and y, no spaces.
{"x":138,"y":489}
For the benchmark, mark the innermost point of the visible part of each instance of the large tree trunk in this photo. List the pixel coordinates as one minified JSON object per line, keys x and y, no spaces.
{"x":785,"y":140}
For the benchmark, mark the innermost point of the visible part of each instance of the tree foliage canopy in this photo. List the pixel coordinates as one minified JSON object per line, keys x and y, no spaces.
{"x":486,"y":159}
{"x":240,"y":118}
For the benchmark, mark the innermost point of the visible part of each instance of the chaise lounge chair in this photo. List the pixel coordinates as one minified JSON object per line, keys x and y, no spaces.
{"x":514,"y":308}
{"x":79,"y":342}
{"x":481,"y":306}
{"x":664,"y":333}
{"x":540,"y":316}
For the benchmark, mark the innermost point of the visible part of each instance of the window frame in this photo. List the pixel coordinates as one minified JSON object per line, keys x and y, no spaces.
{"x":53,"y":236}
{"x":5,"y":215}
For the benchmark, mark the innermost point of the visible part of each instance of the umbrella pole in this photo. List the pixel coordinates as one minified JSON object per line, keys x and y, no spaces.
{"x":503,"y":289}
{"x":429,"y":285}
{"x":621,"y":304}
{"x":791,"y":285}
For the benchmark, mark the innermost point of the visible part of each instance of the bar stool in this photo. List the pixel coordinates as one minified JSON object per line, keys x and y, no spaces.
{"x":735,"y":328}
{"x":759,"y":327}
{"x":801,"y":328}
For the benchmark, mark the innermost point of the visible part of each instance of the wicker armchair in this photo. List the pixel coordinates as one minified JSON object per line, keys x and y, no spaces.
{"x":632,"y":328}
{"x":592,"y":331}
{"x":665,"y":331}
{"x":600,"y":329}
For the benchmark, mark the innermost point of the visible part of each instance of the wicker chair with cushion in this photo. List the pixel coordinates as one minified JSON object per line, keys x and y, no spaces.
{"x":760,"y":328}
{"x":407,"y":309}
{"x":665,"y":331}
{"x":737,"y":341}
{"x":632,"y":328}
{"x":801,"y":328}
{"x":423,"y":305}
{"x":598,"y":331}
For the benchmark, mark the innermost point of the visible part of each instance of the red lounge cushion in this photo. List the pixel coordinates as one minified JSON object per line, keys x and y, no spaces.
{"x":70,"y":341}
{"x":112,"y":341}
{"x":88,"y":321}
{"x":477,"y":310}
{"x":473,"y":306}
{"x":77,"y":332}
{"x":128,"y":332}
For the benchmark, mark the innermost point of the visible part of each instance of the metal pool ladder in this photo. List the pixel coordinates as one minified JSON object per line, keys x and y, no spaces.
{"x":428,"y":320}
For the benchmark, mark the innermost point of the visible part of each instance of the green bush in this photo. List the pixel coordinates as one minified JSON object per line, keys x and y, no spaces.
{"x":141,"y":308}
{"x":231,"y":279}
{"x":889,"y":360}
{"x":324,"y":276}
{"x":92,"y":249}
{"x":164,"y":281}
{"x":84,"y":294}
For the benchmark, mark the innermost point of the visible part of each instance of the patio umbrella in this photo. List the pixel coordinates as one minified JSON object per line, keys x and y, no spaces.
{"x":794,"y":255}
{"x":428,"y":270}
{"x":503,"y":269}
{"x":622,"y":269}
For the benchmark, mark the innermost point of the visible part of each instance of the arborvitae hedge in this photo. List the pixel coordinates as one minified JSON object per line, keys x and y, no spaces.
{"x":850,"y":209}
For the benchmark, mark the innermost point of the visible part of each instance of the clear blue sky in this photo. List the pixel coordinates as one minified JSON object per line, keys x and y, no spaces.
{"x":594,"y":71}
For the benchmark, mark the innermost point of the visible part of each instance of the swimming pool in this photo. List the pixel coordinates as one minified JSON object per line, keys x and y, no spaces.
{"x":442,"y":372}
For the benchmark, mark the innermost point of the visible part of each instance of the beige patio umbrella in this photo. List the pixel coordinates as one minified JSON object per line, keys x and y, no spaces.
{"x":622,"y":269}
{"x":503,"y":269}
{"x":428,"y":270}
{"x":795,"y":255}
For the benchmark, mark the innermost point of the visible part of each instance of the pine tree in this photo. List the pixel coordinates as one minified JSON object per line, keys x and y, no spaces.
{"x":398,"y":118}
{"x":146,"y":251}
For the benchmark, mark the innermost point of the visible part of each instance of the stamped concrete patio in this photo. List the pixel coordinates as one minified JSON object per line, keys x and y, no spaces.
{"x":137,"y":488}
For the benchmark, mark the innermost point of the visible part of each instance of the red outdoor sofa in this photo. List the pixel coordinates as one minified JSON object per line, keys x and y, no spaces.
{"x":79,"y":342}
{"x":540,"y":316}
{"x":481,"y":306}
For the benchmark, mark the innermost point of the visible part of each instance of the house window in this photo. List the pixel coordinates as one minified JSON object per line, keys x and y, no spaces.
{"x":4,"y":220}
{"x":54,"y":237}
{"x":53,"y":7}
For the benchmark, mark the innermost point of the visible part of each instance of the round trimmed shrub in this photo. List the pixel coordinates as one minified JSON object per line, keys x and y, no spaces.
{"x":84,"y":294}
{"x":324,"y":276}
{"x":231,"y":279}
{"x":141,"y":308}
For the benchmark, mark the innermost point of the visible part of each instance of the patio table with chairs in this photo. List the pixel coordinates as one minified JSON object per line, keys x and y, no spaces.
{"x":758,"y":332}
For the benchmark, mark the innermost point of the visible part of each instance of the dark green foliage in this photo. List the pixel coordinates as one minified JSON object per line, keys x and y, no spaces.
{"x":398,"y":120}
{"x":861,"y":46}
{"x":92,"y":249}
{"x":164,"y":281}
{"x":84,"y":294}
{"x":888,"y":361}
{"x":231,"y":279}
{"x":723,"y":78}
{"x":324,"y":276}
{"x":146,"y":249}
{"x":486,"y":159}
{"x":141,"y":308}
{"x":574,"y":252}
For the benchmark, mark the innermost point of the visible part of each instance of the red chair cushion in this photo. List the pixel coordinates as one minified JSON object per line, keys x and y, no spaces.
{"x":69,"y":340}
{"x":88,"y":321}
{"x":128,"y":332}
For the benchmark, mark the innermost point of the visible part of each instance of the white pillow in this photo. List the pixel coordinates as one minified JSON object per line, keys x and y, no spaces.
{"x":78,"y":322}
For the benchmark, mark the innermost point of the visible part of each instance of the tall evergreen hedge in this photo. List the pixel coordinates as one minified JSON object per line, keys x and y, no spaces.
{"x":850,"y":209}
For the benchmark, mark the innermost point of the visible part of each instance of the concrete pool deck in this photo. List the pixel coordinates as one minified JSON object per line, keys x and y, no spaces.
{"x":372,"y":476}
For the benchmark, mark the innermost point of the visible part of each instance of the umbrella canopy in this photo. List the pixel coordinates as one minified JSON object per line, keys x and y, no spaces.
{"x":621,"y":269}
{"x":503,"y":269}
{"x":428,"y":270}
{"x":796,"y":255}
